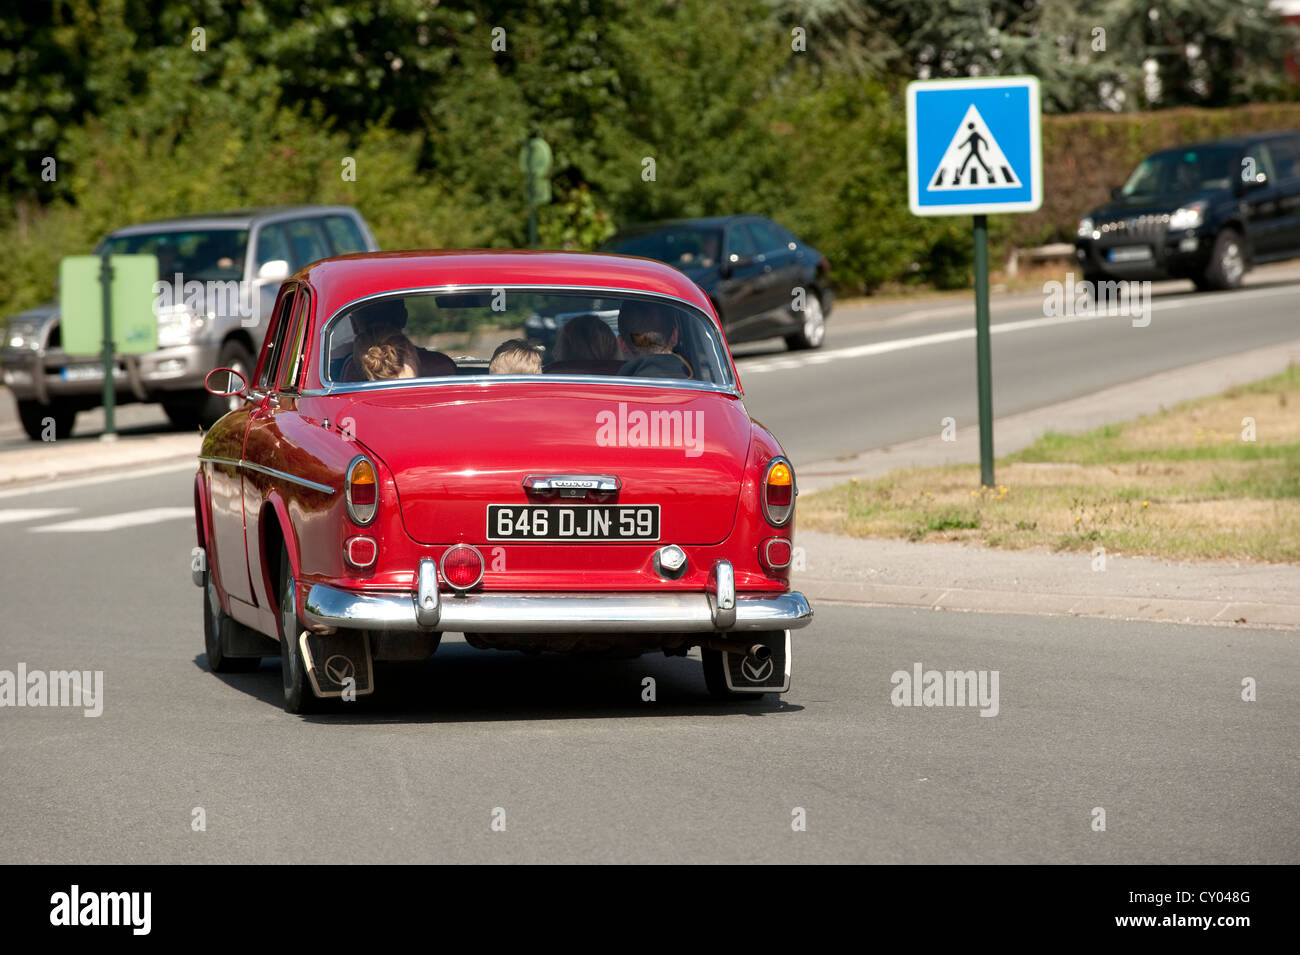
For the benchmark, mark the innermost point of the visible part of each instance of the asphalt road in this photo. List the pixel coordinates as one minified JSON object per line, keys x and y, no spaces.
{"x":1143,"y":721}
{"x":844,"y":399}
{"x":891,"y":373}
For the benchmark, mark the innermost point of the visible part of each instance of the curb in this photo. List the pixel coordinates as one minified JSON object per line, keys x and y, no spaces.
{"x":1167,"y":609}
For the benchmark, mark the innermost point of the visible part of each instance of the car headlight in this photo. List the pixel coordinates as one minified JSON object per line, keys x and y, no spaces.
{"x":1085,"y":228}
{"x":177,"y":326}
{"x":24,"y":336}
{"x":1190,"y":216}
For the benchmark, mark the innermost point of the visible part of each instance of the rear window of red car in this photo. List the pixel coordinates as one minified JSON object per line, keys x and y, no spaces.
{"x":510,"y":331}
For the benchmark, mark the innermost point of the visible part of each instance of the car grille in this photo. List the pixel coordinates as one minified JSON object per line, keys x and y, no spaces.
{"x":1132,"y":230}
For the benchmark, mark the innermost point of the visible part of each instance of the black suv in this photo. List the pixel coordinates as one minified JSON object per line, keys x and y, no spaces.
{"x":763,"y":281}
{"x":1205,"y":212}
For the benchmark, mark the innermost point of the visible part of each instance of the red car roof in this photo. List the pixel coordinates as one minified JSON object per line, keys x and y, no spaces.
{"x":345,"y":279}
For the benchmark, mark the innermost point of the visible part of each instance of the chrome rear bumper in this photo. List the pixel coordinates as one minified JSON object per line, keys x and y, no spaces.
{"x":720,"y":609}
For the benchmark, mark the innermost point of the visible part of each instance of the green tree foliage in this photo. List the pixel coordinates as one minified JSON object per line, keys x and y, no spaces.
{"x":788,"y":108}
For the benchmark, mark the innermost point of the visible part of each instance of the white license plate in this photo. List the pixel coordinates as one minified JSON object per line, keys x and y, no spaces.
{"x":1130,"y":253}
{"x":578,"y":523}
{"x":82,"y":372}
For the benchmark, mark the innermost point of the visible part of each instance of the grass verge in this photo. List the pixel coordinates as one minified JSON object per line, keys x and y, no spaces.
{"x":1217,"y":477}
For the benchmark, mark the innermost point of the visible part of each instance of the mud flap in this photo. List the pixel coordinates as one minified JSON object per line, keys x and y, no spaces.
{"x":338,"y":662}
{"x":771,"y":676}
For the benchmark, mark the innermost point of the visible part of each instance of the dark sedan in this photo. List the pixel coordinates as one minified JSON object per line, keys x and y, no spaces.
{"x":763,"y":281}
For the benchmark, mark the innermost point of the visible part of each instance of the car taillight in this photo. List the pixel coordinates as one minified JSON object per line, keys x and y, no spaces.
{"x":361,"y":490}
{"x":360,"y":552}
{"x":778,"y":492}
{"x":775,"y":553}
{"x":462,"y":566}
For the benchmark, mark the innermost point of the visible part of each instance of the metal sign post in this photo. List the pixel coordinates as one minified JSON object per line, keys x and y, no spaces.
{"x":535,"y":163}
{"x":983,"y":360}
{"x":973,"y":147}
{"x":110,"y":386}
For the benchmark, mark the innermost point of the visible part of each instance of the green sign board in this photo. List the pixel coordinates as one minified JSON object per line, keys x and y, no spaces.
{"x":81,"y":304}
{"x":535,"y":161}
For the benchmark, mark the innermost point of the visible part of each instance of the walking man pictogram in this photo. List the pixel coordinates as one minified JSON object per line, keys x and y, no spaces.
{"x":973,"y":143}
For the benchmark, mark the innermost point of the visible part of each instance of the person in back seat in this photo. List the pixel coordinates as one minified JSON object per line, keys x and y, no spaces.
{"x":389,"y":313}
{"x":647,"y":333}
{"x":516,"y":357}
{"x":586,"y":338}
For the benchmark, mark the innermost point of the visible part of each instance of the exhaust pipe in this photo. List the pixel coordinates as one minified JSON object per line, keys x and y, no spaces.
{"x":759,"y":652}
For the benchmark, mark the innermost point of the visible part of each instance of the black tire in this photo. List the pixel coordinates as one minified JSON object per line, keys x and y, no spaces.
{"x":215,"y":624}
{"x":184,"y":413}
{"x":210,"y":408}
{"x":33,"y":416}
{"x":812,"y":327}
{"x":298,"y":694}
{"x":715,"y":678}
{"x":1227,"y":265}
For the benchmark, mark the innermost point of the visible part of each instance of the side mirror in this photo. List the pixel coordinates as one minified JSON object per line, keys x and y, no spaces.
{"x":235,"y":385}
{"x":1258,"y":182}
{"x":1117,"y":192}
{"x":277,"y":270}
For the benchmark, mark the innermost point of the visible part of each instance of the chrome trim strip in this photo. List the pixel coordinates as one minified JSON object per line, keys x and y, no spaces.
{"x":427,"y":603}
{"x":328,"y":607}
{"x":331,"y":388}
{"x":269,"y":472}
{"x":272,"y":472}
{"x":722,"y":595}
{"x":484,"y":381}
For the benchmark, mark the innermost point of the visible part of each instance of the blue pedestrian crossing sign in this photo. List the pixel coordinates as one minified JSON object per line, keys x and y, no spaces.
{"x":973,"y":146}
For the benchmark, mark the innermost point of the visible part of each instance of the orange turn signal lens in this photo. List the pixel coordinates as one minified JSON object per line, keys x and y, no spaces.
{"x":780,"y":475}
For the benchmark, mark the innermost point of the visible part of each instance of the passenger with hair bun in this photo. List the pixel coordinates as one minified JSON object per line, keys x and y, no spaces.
{"x":384,"y":352}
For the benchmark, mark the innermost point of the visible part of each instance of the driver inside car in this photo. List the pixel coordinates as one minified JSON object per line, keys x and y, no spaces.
{"x":647,"y":335}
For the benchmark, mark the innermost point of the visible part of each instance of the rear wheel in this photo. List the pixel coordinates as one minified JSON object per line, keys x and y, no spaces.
{"x":216,"y":623}
{"x":812,"y":332}
{"x":47,"y":422}
{"x":298,"y":694}
{"x":1227,"y":263}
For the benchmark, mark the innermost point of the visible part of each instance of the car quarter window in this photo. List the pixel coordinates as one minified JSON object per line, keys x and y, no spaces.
{"x":344,"y":235}
{"x":273,"y":244}
{"x":766,"y":238}
{"x":307,"y":242}
{"x":291,"y":361}
{"x":740,"y":243}
{"x":275,"y":339}
{"x":1262,"y":158}
{"x":1286,"y":156}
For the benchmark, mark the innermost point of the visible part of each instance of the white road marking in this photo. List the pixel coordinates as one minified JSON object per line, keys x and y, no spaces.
{"x":1002,"y":328}
{"x":48,"y":487}
{"x":112,"y":522}
{"x":16,"y":515}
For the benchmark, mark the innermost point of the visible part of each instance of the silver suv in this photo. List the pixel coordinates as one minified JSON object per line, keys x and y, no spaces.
{"x":245,"y":256}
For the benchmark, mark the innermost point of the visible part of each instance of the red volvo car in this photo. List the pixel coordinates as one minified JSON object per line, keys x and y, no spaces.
{"x":609,"y":494}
